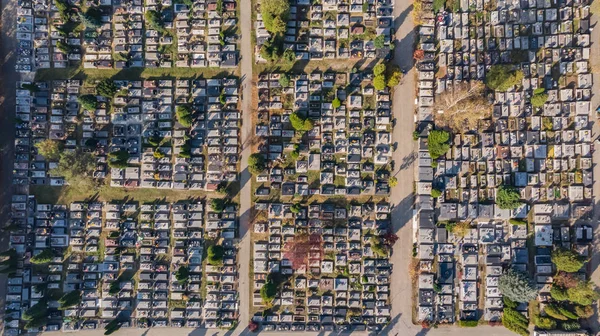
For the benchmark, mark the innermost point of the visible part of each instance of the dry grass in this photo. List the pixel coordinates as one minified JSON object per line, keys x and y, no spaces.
{"x":463,"y":107}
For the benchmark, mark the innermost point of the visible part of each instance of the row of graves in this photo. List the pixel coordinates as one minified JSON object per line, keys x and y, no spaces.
{"x":26,"y":34}
{"x":326,"y":264}
{"x":180,"y":134}
{"x":331,"y":29}
{"x":206,"y":34}
{"x":348,"y":148}
{"x":25,"y":107}
{"x":121,"y":262}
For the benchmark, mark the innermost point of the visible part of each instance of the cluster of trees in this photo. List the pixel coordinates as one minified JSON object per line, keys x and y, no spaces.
{"x":508,"y":197}
{"x":463,"y":107}
{"x":275,"y":14}
{"x":503,"y":77}
{"x":215,"y":255}
{"x":77,"y":167}
{"x":438,"y":143}
{"x":256,"y":163}
{"x":185,"y":151}
{"x":184,"y":115}
{"x":301,"y":123}
{"x":386,"y":76}
{"x":514,"y":320}
{"x":118,"y":159}
{"x":269,"y":290}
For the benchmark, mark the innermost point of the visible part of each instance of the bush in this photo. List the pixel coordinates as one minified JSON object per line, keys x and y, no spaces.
{"x":296,"y":208}
{"x":218,"y":204}
{"x":49,"y":149}
{"x":435,"y":193}
{"x":106,"y":88}
{"x":584,"y":294}
{"x":515,"y":321}
{"x":215,"y":255}
{"x":43,"y":257}
{"x":184,"y":115}
{"x":438,"y":143}
{"x":275,"y":15}
{"x":567,"y":260}
{"x":336,"y":103}
{"x":503,"y":77}
{"x":584,"y":311}
{"x":299,"y":123}
{"x":393,"y":181}
{"x":544,"y":322}
{"x":468,"y":324}
{"x":508,"y":197}
{"x":517,"y":286}
{"x":515,"y":221}
{"x":570,"y":326}
{"x":256,"y":163}
{"x":567,"y":313}
{"x":88,"y":102}
{"x":268,"y":292}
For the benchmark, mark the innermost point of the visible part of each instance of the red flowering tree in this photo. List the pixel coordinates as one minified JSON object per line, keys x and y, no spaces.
{"x":303,"y":248}
{"x":419,"y":54}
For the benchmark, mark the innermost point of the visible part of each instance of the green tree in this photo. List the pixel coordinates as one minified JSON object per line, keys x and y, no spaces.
{"x":299,"y":123}
{"x":118,"y":159}
{"x":268,"y":292}
{"x":379,"y":69}
{"x":508,"y":197}
{"x":284,"y":80}
{"x":515,"y":321}
{"x":567,"y":260}
{"x":379,"y":82}
{"x":88,"y":102}
{"x":438,"y":143}
{"x":296,"y":208}
{"x":106,"y":88}
{"x":584,"y":311}
{"x":545,"y":323}
{"x":92,"y":18}
{"x":275,"y":14}
{"x":77,"y":168}
{"x":182,"y":274}
{"x":393,"y":181}
{"x":256,"y":163}
{"x":70,"y":299}
{"x":155,"y":21}
{"x":37,"y":311}
{"x":43,"y":257}
{"x":503,"y":77}
{"x":394,"y":76}
{"x":584,"y":294}
{"x":49,"y":149}
{"x":435,"y":193}
{"x":517,"y":286}
{"x":508,"y":303}
{"x":336,"y":103}
{"x":218,"y":204}
{"x":379,"y":42}
{"x":289,"y":55}
{"x":215,"y":255}
{"x":539,"y":97}
{"x":184,"y":115}
{"x":558,"y":293}
{"x":553,"y":311}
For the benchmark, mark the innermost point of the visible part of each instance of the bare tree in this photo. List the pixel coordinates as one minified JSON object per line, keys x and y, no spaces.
{"x":463,"y":107}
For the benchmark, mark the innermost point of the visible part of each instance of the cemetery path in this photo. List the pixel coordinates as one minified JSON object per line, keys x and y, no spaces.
{"x":8,"y":79}
{"x":246,"y":54}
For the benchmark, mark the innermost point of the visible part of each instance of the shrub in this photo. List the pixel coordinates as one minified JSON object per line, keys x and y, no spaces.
{"x":438,"y":143}
{"x":379,"y":41}
{"x":468,"y":323}
{"x":435,"y":193}
{"x":570,"y":326}
{"x":299,"y":123}
{"x":106,"y":88}
{"x":215,"y":254}
{"x":515,"y":321}
{"x":553,"y":311}
{"x":508,"y":303}
{"x":256,"y":163}
{"x":49,"y":149}
{"x":517,"y":286}
{"x":336,"y":103}
{"x":515,"y":221}
{"x":584,"y":311}
{"x":393,"y":181}
{"x":43,"y":257}
{"x":296,"y":208}
{"x":567,"y":260}
{"x":558,"y":293}
{"x":584,"y":294}
{"x":379,"y":69}
{"x":184,"y":115}
{"x":503,"y":77}
{"x":508,"y":197}
{"x":544,"y":322}
{"x":567,"y":313}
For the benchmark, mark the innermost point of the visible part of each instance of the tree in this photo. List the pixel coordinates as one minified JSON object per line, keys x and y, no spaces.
{"x":517,"y":286}
{"x":155,"y":21}
{"x":544,"y":322}
{"x":296,"y":208}
{"x":88,"y":102}
{"x":508,"y":197}
{"x":275,"y":14}
{"x":300,"y":123}
{"x":437,"y":141}
{"x":268,"y":292}
{"x":584,"y":294}
{"x":508,"y":303}
{"x":394,"y":74}
{"x":118,"y":159}
{"x":215,"y":255}
{"x":379,"y":69}
{"x":463,"y":107}
{"x":284,"y":80}
{"x":301,"y":248}
{"x":503,"y":77}
{"x":184,"y":115}
{"x":256,"y":163}
{"x":539,"y":97}
{"x":77,"y":168}
{"x":565,"y":280}
{"x":43,"y":257}
{"x":567,"y":260}
{"x":218,"y":204}
{"x":92,"y":18}
{"x":106,"y":88}
{"x":289,"y":55}
{"x":182,"y":274}
{"x":336,"y":103}
{"x":435,"y":193}
{"x":558,"y":293}
{"x":379,"y":82}
{"x":393,"y":181}
{"x":379,"y":42}
{"x":515,"y":321}
{"x":37,"y":311}
{"x":49,"y":149}
{"x":584,"y":311}
{"x":70,"y":299}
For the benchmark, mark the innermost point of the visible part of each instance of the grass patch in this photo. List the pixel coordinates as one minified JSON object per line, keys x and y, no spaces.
{"x":131,"y":73}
